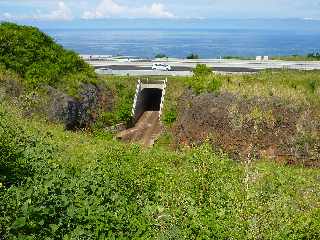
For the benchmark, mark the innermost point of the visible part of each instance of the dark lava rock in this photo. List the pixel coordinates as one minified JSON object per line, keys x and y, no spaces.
{"x":79,"y":112}
{"x":250,"y":128}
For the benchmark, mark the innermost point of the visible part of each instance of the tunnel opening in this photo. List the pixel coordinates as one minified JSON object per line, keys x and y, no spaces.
{"x":146,"y":126}
{"x":151,"y":99}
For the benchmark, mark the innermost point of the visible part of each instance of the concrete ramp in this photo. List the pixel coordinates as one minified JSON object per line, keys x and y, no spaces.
{"x":145,"y":132}
{"x":146,"y":113}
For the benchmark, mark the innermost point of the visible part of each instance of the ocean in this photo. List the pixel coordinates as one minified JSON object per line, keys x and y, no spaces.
{"x":178,"y":38}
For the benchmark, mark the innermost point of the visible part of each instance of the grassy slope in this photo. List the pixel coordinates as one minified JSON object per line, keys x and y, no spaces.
{"x":88,"y":187}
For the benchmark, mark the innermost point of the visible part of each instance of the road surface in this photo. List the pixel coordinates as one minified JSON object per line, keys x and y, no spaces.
{"x":184,"y":67}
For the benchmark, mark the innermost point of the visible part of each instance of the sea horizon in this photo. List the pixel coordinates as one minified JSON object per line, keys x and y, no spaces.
{"x":209,"y":38}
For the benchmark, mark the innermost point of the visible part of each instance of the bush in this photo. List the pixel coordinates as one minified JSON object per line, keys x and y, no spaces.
{"x":201,"y":70}
{"x":312,"y":85}
{"x":42,"y":73}
{"x":170,"y":116}
{"x":36,"y":57}
{"x":314,"y":55}
{"x":18,"y":151}
{"x":93,"y":188}
{"x":12,"y":145}
{"x":204,"y":80}
{"x":193,"y":56}
{"x":160,"y":55}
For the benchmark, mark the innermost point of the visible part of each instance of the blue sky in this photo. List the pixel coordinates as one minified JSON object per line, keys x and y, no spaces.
{"x":173,"y":9}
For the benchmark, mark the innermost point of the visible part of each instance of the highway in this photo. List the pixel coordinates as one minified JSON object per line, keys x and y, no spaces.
{"x":182,"y":67}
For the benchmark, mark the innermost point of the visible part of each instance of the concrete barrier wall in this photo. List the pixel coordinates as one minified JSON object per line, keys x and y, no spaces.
{"x":137,"y":109}
{"x":163,"y":96}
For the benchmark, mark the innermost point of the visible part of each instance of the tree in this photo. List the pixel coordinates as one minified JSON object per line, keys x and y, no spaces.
{"x":193,"y":56}
{"x":161,"y":55}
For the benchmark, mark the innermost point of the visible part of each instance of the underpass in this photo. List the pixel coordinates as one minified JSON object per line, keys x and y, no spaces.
{"x":146,"y":113}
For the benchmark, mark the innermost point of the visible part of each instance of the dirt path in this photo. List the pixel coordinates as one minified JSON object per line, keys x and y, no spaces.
{"x":146,"y":130}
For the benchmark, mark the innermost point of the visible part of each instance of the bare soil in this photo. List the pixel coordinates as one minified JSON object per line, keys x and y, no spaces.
{"x":250,"y":128}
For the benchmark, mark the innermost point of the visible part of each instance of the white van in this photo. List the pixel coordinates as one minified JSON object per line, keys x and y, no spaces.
{"x":161,"y":67}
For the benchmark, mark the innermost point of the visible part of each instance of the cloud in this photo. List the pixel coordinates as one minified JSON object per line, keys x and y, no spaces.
{"x":105,"y":8}
{"x":110,"y":8}
{"x":158,"y":10}
{"x":6,"y":16}
{"x":63,"y":12}
{"x":93,"y":9}
{"x":265,"y":8}
{"x":60,"y":12}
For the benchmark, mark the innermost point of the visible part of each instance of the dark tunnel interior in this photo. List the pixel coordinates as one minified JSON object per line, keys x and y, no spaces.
{"x":151,"y":99}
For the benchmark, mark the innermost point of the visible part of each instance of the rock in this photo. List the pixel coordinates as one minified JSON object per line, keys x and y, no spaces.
{"x":58,"y":105}
{"x":249,"y":128}
{"x":82,"y":112}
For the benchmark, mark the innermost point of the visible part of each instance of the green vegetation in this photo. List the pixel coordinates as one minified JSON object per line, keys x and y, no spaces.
{"x":161,"y":55}
{"x":315,"y":55}
{"x":297,"y":87}
{"x":201,"y":70}
{"x":309,"y":57}
{"x":78,"y":186}
{"x":238,"y":58}
{"x":31,"y":63}
{"x":193,"y":56}
{"x":203,"y":80}
{"x":123,"y":89}
{"x":170,"y":116}
{"x":39,"y":60}
{"x":56,"y":184}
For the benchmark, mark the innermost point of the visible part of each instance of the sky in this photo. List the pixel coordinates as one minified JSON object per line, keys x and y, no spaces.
{"x":68,"y":10}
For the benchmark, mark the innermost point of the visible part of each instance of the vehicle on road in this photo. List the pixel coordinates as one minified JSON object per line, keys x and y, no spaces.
{"x":161,"y":67}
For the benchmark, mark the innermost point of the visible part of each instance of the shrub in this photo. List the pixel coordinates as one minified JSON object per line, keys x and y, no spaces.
{"x":201,"y":70}
{"x":170,"y":116}
{"x":94,"y":188}
{"x":312,"y":85}
{"x":204,"y":80}
{"x":12,"y":146}
{"x":193,"y":56}
{"x":160,"y":55}
{"x":18,"y":151}
{"x":42,"y":73}
{"x":36,"y":57}
{"x":314,"y":55}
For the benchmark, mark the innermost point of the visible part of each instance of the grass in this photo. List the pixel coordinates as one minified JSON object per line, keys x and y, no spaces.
{"x":309,"y":57}
{"x":123,"y":89}
{"x":88,"y":187}
{"x":239,"y":58}
{"x":301,"y":87}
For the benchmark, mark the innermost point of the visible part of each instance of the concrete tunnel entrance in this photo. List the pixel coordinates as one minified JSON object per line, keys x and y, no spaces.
{"x":146,"y":111}
{"x":151,"y":99}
